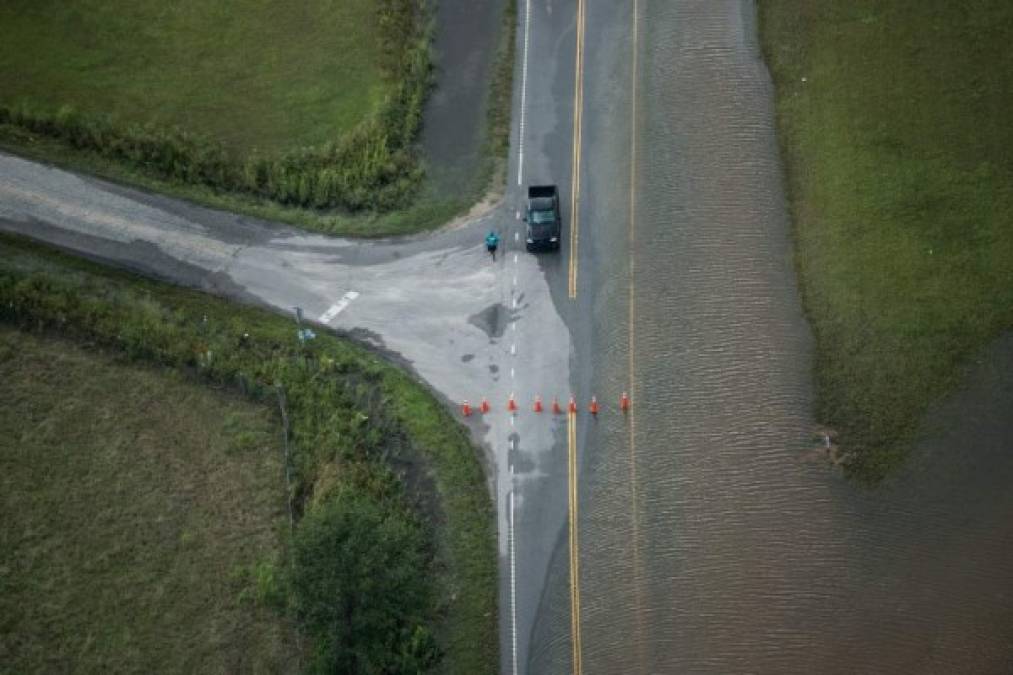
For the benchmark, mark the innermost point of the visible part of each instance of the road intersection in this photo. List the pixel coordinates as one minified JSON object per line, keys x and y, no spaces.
{"x":469,"y":327}
{"x":687,"y":535}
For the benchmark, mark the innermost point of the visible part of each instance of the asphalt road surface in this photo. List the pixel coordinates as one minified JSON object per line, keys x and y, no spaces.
{"x":703,"y":531}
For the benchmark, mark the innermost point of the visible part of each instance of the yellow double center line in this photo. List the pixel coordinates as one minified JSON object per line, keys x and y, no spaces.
{"x":638,"y":580}
{"x":578,"y":113}
{"x":571,"y":429}
{"x":571,"y":424}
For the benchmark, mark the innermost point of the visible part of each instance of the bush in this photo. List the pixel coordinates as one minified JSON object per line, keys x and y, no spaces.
{"x":360,"y":589}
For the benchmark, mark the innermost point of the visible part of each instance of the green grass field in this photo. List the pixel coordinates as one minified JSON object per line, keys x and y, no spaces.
{"x":895,"y":125}
{"x":253,"y":74}
{"x":132,"y":503}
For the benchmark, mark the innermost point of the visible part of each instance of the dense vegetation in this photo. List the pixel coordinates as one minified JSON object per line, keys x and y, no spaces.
{"x":135,"y":506}
{"x":894,"y":121}
{"x":356,"y":579}
{"x":331,"y":94}
{"x":393,"y":564}
{"x":501,"y":91}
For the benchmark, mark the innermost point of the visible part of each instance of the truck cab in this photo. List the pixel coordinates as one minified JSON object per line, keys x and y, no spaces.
{"x":544,"y":229}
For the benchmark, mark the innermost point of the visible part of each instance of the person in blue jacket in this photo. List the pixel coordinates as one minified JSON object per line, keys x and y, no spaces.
{"x":491,"y":243}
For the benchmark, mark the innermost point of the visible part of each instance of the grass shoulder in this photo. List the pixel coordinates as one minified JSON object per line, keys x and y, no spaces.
{"x":367,"y":445}
{"x":426,"y":211}
{"x":893,"y":125}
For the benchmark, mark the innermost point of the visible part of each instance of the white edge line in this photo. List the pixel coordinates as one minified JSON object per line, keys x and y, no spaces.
{"x":524,"y":93}
{"x":513,"y":585}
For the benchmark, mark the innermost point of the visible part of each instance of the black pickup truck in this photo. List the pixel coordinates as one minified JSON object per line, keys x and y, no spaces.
{"x":544,"y":224}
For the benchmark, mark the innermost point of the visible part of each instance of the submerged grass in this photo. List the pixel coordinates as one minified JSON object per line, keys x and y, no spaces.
{"x":894,"y":123}
{"x":365,"y":439}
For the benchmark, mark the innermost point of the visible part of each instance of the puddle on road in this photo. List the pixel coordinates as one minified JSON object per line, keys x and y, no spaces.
{"x":492,"y":320}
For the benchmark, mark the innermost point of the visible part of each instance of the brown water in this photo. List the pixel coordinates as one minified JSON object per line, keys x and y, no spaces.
{"x":722,"y":541}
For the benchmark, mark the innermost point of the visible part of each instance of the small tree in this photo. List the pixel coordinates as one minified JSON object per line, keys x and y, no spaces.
{"x":360,"y":589}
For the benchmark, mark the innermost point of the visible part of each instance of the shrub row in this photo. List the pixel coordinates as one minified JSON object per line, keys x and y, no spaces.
{"x":373,"y":167}
{"x":363,"y":579}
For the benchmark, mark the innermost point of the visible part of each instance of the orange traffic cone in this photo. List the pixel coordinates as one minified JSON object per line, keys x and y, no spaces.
{"x":511,"y":404}
{"x":624,"y":402}
{"x":573,"y":405}
{"x":555,"y":406}
{"x":593,"y":407}
{"x":538,"y":404}
{"x":485,"y":406}
{"x":466,"y":409}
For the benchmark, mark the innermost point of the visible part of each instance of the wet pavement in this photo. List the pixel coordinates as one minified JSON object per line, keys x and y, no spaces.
{"x":713,"y":535}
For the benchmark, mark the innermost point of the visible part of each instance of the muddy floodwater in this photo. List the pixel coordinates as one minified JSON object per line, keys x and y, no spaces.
{"x":720,"y":540}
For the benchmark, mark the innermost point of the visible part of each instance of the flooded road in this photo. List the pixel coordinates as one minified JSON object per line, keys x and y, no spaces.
{"x":715,"y":537}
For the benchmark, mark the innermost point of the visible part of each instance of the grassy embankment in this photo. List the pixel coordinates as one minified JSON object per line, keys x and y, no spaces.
{"x":134,"y":505}
{"x":894,"y":124}
{"x":393,"y":557}
{"x":500,"y":103}
{"x":306,"y":113}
